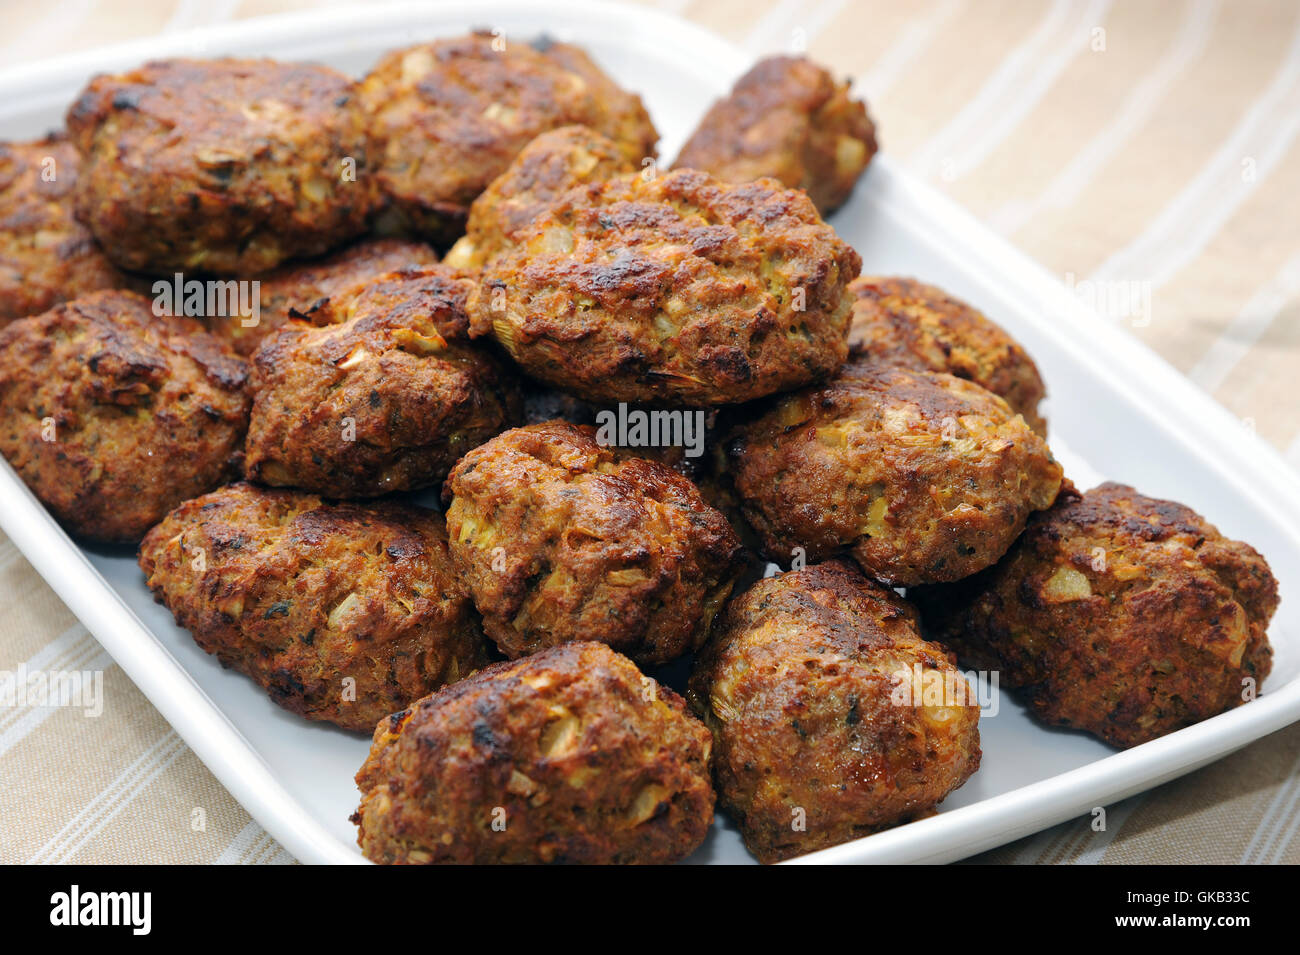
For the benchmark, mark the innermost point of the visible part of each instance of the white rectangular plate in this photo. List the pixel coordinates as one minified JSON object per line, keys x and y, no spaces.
{"x":1116,"y":410}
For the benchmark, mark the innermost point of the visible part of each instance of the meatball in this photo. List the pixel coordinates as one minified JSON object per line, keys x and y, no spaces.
{"x":449,"y":116}
{"x":559,"y":538}
{"x":344,"y":612}
{"x":921,"y":476}
{"x":788,"y":119}
{"x":904,"y":322}
{"x":549,"y":166}
{"x":304,"y":289}
{"x":676,"y":289}
{"x":46,"y":255}
{"x":1122,"y":615}
{"x":221,"y":166}
{"x":113,"y":415}
{"x":831,"y":717}
{"x":385,"y":400}
{"x":569,"y":756}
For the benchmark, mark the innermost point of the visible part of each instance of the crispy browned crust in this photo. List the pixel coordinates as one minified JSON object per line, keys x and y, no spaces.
{"x":901,"y":321}
{"x":800,"y":689}
{"x":560,"y":539}
{"x":384,"y":396}
{"x":303,"y":290}
{"x":46,"y":255}
{"x":789,"y":119}
{"x":676,"y":289}
{"x":304,"y":596}
{"x":1119,"y":614}
{"x":549,"y":166}
{"x":144,"y":412}
{"x":921,"y":476}
{"x":449,"y":116}
{"x":222,"y":166}
{"x":573,"y":754}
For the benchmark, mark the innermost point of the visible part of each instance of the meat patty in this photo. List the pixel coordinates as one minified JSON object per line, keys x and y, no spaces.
{"x":788,"y":119}
{"x":676,"y":289}
{"x":113,"y":415}
{"x":303,"y":290}
{"x":384,"y":396}
{"x":553,"y":163}
{"x":221,"y":166}
{"x":920,"y":476}
{"x":831,"y":717}
{"x":1119,"y":614}
{"x":46,"y":255}
{"x":568,"y":756}
{"x":341,"y":612}
{"x":449,"y":116}
{"x":561,"y":539}
{"x":901,"y":321}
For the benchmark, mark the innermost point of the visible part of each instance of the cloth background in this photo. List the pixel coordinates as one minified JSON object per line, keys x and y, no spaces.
{"x":1150,"y":141}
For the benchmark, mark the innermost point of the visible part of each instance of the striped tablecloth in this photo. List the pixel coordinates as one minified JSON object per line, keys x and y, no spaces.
{"x":1138,"y":141}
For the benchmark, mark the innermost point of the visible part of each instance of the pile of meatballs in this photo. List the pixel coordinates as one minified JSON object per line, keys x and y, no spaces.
{"x":460,"y":260}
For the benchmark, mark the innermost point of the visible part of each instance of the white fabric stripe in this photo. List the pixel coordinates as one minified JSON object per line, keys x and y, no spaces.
{"x":1280,"y":852}
{"x":1248,"y":326}
{"x":1101,"y":841}
{"x":774,"y":32}
{"x":985,"y":138}
{"x":1187,"y":224}
{"x":1274,"y":817}
{"x":244,"y":841}
{"x":110,"y":802}
{"x":1136,"y":111}
{"x":28,"y":718}
{"x":911,"y":42}
{"x":993,"y":98}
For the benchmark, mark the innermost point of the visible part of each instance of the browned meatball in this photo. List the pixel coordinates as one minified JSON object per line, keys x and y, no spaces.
{"x":789,"y":119}
{"x":450,"y":115}
{"x":1119,"y":614}
{"x":222,"y":166}
{"x":904,"y":322}
{"x":827,"y":720}
{"x":46,"y":255}
{"x":386,"y":400}
{"x":113,"y":415}
{"x":561,"y":539}
{"x":921,"y":476}
{"x":343,"y":613}
{"x":674,"y":289}
{"x":549,"y":166}
{"x":304,"y":289}
{"x":568,"y":756}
